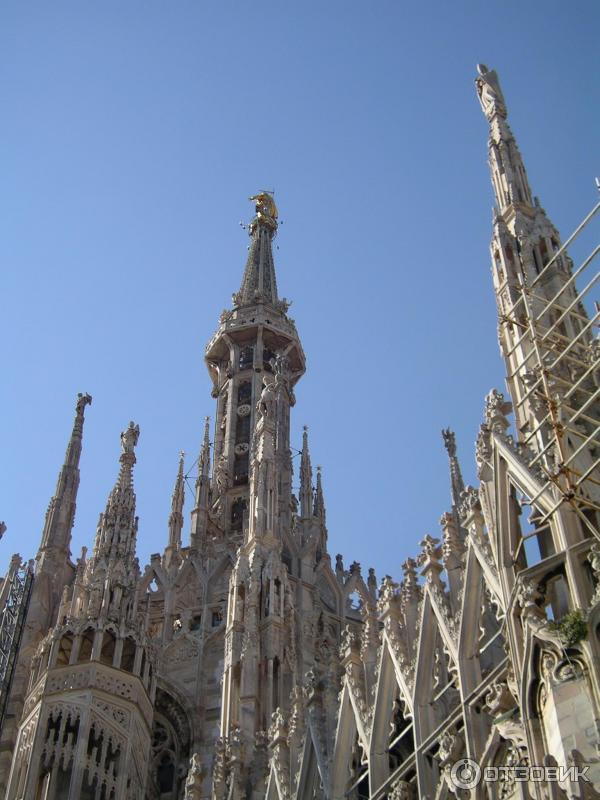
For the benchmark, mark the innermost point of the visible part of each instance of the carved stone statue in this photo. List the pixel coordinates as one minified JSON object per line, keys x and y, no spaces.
{"x":129,"y":438}
{"x":281,"y":367}
{"x":222,"y":476}
{"x":95,"y":600}
{"x":449,"y":441}
{"x":489,"y":92}
{"x":193,"y":782}
{"x":372,"y":582}
{"x":267,"y":401}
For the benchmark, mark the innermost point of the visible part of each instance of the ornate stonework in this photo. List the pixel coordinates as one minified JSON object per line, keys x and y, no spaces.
{"x":238,"y":664}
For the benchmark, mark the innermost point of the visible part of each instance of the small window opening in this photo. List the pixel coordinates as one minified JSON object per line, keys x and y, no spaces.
{"x":246,"y":357}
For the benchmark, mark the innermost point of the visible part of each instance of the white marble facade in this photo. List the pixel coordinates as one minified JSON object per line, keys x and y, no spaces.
{"x":242,"y":663}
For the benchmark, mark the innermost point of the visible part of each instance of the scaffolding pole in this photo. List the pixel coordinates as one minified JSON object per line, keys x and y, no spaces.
{"x":16,"y":591}
{"x":560,"y":369}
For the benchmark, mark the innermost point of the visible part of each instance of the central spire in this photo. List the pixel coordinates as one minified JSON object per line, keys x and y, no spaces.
{"x":253,"y":340}
{"x":259,"y":284}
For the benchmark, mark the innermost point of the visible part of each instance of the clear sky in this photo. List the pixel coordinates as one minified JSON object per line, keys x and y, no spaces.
{"x":132,"y":135}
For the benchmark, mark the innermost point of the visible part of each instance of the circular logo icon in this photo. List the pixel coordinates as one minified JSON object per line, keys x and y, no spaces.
{"x":465,"y":774}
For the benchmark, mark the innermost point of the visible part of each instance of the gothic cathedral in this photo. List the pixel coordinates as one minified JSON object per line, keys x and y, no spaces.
{"x":242,"y":664}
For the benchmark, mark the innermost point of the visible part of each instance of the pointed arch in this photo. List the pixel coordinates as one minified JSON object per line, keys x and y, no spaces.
{"x":151,"y":574}
{"x":349,"y":729}
{"x":382,"y":714}
{"x":355,"y":583}
{"x":310,"y":776}
{"x":445,"y":634}
{"x":328,"y":588}
{"x":468,"y":637}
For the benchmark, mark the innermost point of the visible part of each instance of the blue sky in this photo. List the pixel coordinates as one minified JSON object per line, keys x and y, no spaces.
{"x":132,"y":135}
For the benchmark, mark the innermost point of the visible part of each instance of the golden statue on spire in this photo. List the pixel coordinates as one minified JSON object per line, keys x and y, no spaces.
{"x":266,"y":210}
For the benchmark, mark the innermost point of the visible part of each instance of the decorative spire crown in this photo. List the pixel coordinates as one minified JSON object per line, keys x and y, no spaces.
{"x":117,"y":526}
{"x":266,"y":211}
{"x":259,"y":284}
{"x":129,"y":440}
{"x":61,"y":510}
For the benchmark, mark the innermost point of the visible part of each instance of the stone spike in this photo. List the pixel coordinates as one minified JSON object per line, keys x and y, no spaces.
{"x":118,"y":524}
{"x":177,"y":501}
{"x":509,"y":177}
{"x":456,"y":479}
{"x":306,"y":489}
{"x":319,"y":509}
{"x":204,"y":460}
{"x":61,"y":510}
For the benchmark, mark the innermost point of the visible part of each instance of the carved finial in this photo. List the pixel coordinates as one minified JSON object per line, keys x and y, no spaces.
{"x":496,"y":409}
{"x":387,"y":594}
{"x":83,"y":400}
{"x":456,"y":478}
{"x":449,"y":438}
{"x":319,"y":510}
{"x":177,"y":498}
{"x":74,"y":447}
{"x":204,"y":461}
{"x":429,"y":558}
{"x":372,"y":582}
{"x":411,"y":591}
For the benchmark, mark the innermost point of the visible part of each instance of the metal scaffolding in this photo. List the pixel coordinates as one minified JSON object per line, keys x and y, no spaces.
{"x":560,"y":366}
{"x":15,"y":595}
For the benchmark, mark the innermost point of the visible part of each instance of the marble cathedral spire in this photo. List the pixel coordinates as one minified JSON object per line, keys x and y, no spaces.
{"x":204,"y":459}
{"x":319,"y":509}
{"x":118,"y":524}
{"x":456,"y":479}
{"x":113,"y":567}
{"x":306,"y":487}
{"x":177,"y":501}
{"x":259,"y":281}
{"x":60,"y":516}
{"x":509,"y":178}
{"x":241,"y":359}
{"x":202,"y":498}
{"x":528,"y":271}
